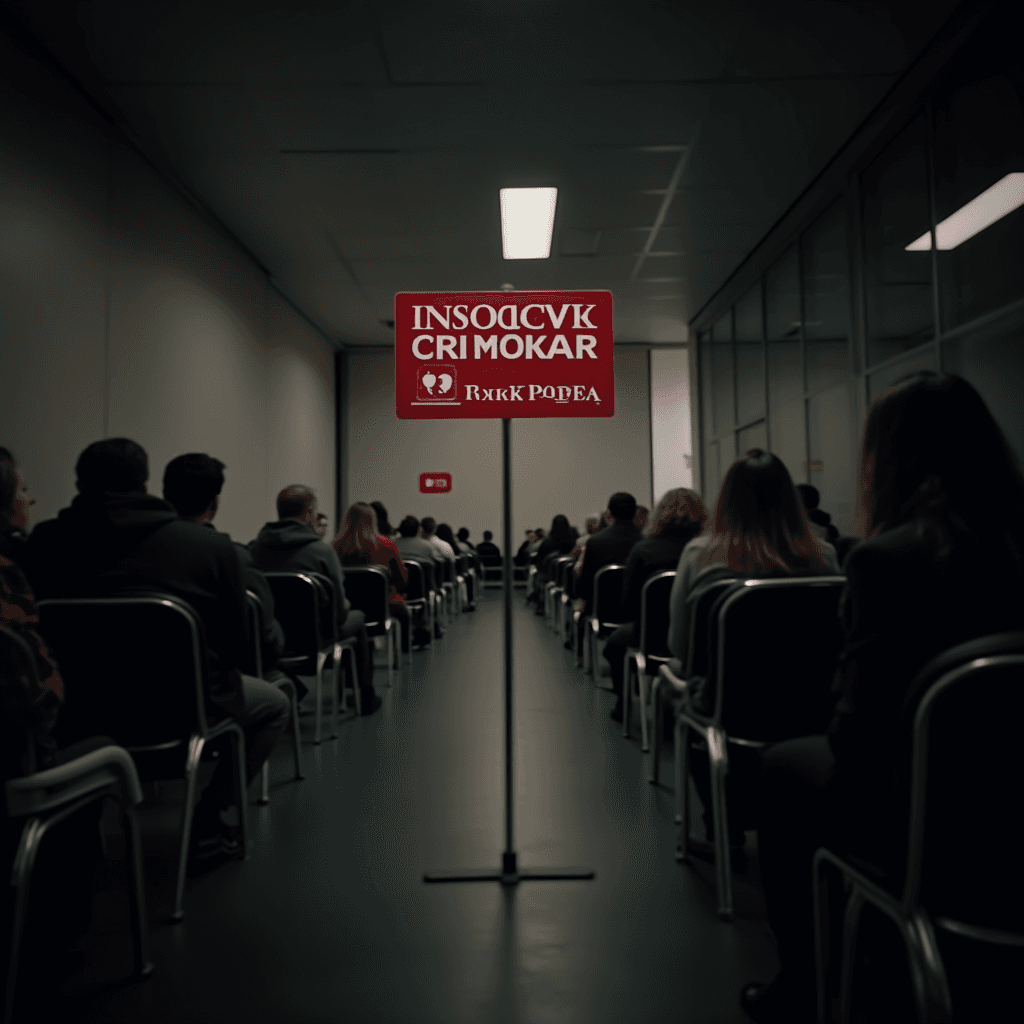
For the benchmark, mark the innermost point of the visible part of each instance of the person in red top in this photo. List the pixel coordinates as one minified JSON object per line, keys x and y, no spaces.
{"x":359,"y":543}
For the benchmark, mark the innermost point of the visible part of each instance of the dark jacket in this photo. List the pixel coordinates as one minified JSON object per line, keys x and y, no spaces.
{"x":610,"y":546}
{"x":135,"y":542}
{"x":487,"y":550}
{"x":650,"y":556}
{"x":290,"y":545}
{"x":911,"y":593}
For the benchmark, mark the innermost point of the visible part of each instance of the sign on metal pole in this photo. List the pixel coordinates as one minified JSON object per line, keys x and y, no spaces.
{"x":504,"y":355}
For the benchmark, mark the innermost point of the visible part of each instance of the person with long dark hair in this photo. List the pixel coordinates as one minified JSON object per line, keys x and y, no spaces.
{"x":560,"y":541}
{"x":936,"y":568}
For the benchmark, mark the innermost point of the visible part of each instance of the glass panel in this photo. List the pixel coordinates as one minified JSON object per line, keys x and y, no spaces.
{"x":826,"y":300}
{"x":922,"y":360}
{"x":832,"y":449}
{"x":749,"y":357}
{"x":785,"y":372}
{"x":898,"y":283}
{"x":712,"y":477}
{"x":707,"y":395}
{"x":722,"y":382}
{"x":754,"y":436}
{"x":979,"y":139}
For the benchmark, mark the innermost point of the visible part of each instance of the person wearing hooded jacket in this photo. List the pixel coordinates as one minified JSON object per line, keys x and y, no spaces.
{"x":292,"y":544}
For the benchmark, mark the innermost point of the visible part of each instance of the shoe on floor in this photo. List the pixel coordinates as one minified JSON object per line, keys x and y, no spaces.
{"x":371,"y":704}
{"x":616,"y":713}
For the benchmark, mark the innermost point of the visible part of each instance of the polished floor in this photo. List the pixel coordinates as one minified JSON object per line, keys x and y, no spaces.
{"x":329,"y":919}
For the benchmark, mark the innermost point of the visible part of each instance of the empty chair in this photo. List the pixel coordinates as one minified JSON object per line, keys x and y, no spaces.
{"x":606,"y":610}
{"x":553,"y":589}
{"x":961,"y":722}
{"x":492,"y":568}
{"x":367,"y":588}
{"x":420,"y":595}
{"x":566,"y":594}
{"x":653,"y":650}
{"x":770,"y":674}
{"x":136,"y":671}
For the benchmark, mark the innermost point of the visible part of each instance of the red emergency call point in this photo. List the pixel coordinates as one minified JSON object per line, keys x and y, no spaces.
{"x":503,"y":355}
{"x":435,"y":483}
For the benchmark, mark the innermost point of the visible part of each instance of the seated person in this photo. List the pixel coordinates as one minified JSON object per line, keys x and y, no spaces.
{"x":428,"y":531}
{"x":759,"y":530}
{"x":936,"y":569}
{"x":821,"y":522}
{"x":292,"y":545}
{"x":384,"y":527}
{"x":116,"y":538}
{"x":642,"y":515}
{"x":560,"y":541}
{"x":15,"y":497}
{"x":611,"y":546}
{"x":487,"y":549}
{"x":531,"y":544}
{"x":412,"y":546}
{"x":444,"y":532}
{"x":593,"y":524}
{"x":465,"y":545}
{"x":678,"y":518}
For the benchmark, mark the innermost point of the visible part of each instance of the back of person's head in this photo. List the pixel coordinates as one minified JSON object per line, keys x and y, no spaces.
{"x":429,"y":525}
{"x":679,"y":508}
{"x":760,"y":525}
{"x":488,"y":535}
{"x":930,"y":441}
{"x":8,"y":486}
{"x":383,"y":526}
{"x":561,"y":532}
{"x":358,"y":533}
{"x":809,"y":496}
{"x":642,"y":515}
{"x":295,"y":501}
{"x":444,"y":532}
{"x":539,"y":532}
{"x":463,"y":534}
{"x":409,"y":527}
{"x":116,"y":465}
{"x":622,"y":506}
{"x":593,"y":522}
{"x":192,"y":483}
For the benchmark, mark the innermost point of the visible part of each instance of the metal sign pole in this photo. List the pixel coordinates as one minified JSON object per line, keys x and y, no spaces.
{"x":509,"y":873}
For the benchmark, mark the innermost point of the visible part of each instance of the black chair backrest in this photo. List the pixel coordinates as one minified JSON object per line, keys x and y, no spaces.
{"x":461,"y":564}
{"x":256,"y":612}
{"x":962,"y":721}
{"x":134,"y":668}
{"x":491,"y":561}
{"x":703,"y":637}
{"x":778,"y":645}
{"x":16,"y":661}
{"x":415,"y":589}
{"x":303,"y":610}
{"x":567,"y":578}
{"x":607,"y":603}
{"x":367,"y":588}
{"x":654,"y":615}
{"x":558,"y":568}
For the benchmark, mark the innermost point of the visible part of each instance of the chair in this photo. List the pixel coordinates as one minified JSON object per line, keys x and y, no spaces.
{"x":367,"y":588}
{"x":304,"y":605}
{"x":553,"y":588}
{"x":256,"y":620}
{"x":607,"y":610}
{"x":492,"y":568}
{"x":798,"y":616}
{"x":45,"y":798}
{"x":470,"y":575}
{"x":653,"y":650}
{"x":461,"y":575}
{"x":154,"y":707}
{"x":961,"y":723}
{"x":420,"y":595}
{"x":566,"y":593}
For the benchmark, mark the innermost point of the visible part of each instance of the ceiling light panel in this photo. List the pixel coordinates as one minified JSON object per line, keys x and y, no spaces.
{"x":527,"y":219}
{"x":981,"y":212}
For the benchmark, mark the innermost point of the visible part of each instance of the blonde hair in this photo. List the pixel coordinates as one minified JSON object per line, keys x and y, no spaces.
{"x":678,"y":504}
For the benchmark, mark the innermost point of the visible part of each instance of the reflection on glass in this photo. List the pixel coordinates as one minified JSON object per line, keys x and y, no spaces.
{"x":712,"y":477}
{"x":898,"y":283}
{"x":749,"y":357}
{"x":721,"y":375}
{"x":785,"y":372}
{"x":826,"y":300}
{"x":832,"y":453}
{"x":921,"y":360}
{"x":754,"y":436}
{"x":979,"y":141}
{"x":707,"y":394}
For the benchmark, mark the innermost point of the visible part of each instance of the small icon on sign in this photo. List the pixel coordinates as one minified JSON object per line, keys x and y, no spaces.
{"x":435,"y":483}
{"x":436,"y":383}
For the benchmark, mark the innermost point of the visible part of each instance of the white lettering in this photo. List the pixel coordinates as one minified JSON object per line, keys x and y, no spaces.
{"x":458,"y":312}
{"x":472,"y":392}
{"x":535,"y":346}
{"x":442,"y":321}
{"x":488,"y":394}
{"x":535,"y":390}
{"x":593,"y":394}
{"x":416,"y":346}
{"x":511,"y":337}
{"x":581,"y":319}
{"x":416,"y":325}
{"x":446,"y":346}
{"x":513,"y":316}
{"x":556,"y":321}
{"x":567,"y":392}
{"x":577,"y":392}
{"x":585,"y":343}
{"x":560,"y":347}
{"x":525,"y":322}
{"x":514,"y":392}
{"x":500,"y":395}
{"x":462,"y":346}
{"x":544,"y":393}
{"x":490,"y":345}
{"x":490,"y":323}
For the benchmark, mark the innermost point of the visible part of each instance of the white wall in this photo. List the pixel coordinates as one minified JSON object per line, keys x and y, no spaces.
{"x":125,"y":314}
{"x":569,"y":466}
{"x":671,"y":445}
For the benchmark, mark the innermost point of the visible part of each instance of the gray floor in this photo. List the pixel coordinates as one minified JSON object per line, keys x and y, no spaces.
{"x":329,"y":918}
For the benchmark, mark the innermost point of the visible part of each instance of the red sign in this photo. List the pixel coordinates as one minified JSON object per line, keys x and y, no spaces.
{"x":435,"y":483}
{"x":492,"y":355}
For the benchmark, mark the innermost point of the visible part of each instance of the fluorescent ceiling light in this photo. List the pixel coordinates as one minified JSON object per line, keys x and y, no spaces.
{"x":527,"y":218}
{"x":993,"y":204}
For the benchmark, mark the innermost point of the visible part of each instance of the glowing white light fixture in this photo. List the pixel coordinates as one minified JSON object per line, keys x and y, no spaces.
{"x":527,"y":220}
{"x":994,"y":203}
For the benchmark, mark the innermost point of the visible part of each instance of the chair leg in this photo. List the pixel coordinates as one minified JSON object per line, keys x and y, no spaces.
{"x":723,"y":869}
{"x":824,"y":1016}
{"x":296,"y":734}
{"x":851,"y":925}
{"x":355,"y":680}
{"x":21,"y":879}
{"x":642,"y":674}
{"x":927,"y":971}
{"x":656,"y":712}
{"x":241,"y":788}
{"x":681,"y":733}
{"x":195,"y":750}
{"x":627,"y":692}
{"x":337,"y":684}
{"x":265,"y":783}
{"x":389,"y":635}
{"x":136,"y":892}
{"x":318,"y":728}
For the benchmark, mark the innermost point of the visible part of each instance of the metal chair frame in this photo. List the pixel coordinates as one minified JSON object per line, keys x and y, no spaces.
{"x":384,"y":625}
{"x":256,"y":612}
{"x":203,"y":731}
{"x":642,"y":660}
{"x":46,"y":798}
{"x":917,"y":928}
{"x":426,"y":602}
{"x":565,"y":595}
{"x":595,"y":625}
{"x":553,"y":589}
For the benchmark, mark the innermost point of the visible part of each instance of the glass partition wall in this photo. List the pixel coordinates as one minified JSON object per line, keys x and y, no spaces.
{"x":916,"y":262}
